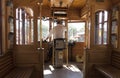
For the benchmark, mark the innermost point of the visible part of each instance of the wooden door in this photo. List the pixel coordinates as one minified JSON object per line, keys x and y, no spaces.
{"x":26,"y":46}
{"x":29,"y":55}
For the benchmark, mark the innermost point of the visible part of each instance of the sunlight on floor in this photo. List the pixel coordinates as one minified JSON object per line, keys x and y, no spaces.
{"x":49,"y":71}
{"x":46,"y":72}
{"x":68,"y":67}
{"x":72,"y":68}
{"x":51,"y":67}
{"x":67,"y":71}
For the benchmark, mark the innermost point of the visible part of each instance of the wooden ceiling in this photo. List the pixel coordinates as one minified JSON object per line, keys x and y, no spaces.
{"x":114,"y":2}
{"x":74,"y":6}
{"x":53,"y":3}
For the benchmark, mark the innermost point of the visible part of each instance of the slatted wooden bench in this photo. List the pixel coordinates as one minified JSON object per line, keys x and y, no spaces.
{"x":111,"y":70}
{"x":9,"y":70}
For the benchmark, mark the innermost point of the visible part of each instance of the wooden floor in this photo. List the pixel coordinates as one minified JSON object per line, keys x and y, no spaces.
{"x":70,"y":71}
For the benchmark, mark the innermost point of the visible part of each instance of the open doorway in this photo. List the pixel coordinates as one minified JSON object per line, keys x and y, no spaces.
{"x":76,"y":40}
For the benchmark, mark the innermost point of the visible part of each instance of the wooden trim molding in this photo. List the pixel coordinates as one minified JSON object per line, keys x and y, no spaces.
{"x":0,"y":27}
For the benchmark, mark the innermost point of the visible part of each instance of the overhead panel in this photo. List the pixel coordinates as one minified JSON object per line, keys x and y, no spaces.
{"x":46,"y":3}
{"x":26,"y":2}
{"x":61,"y":3}
{"x":78,"y":4}
{"x":59,"y":12}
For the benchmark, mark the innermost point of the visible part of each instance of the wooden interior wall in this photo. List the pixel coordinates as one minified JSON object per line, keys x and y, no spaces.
{"x":74,"y":14}
{"x":4,"y":26}
{"x":29,"y":56}
{"x":119,"y":29}
{"x":94,"y":7}
{"x":97,"y":54}
{"x":77,"y":50}
{"x":0,"y":27}
{"x":114,"y":2}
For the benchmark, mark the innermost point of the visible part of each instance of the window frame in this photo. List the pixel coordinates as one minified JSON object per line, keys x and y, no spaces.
{"x":24,"y":20}
{"x":97,"y":27}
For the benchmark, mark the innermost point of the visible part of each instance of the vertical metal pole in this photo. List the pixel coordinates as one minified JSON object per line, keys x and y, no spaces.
{"x":40,"y":25}
{"x":50,"y":27}
{"x":53,"y":60}
{"x":66,"y":35}
{"x":41,"y":49}
{"x":86,"y":33}
{"x":85,"y":65}
{"x":41,"y":31}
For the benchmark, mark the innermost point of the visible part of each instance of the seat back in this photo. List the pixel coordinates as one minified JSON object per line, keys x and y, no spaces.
{"x":6,"y":64}
{"x":115,"y":59}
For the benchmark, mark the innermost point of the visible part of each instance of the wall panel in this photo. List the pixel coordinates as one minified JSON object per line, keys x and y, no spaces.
{"x":0,"y":28}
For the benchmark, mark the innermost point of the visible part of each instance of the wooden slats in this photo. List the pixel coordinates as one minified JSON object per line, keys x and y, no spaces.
{"x":6,"y":63}
{"x":4,"y":71}
{"x":112,"y":70}
{"x":109,"y":71}
{"x":8,"y":70}
{"x":20,"y":73}
{"x":115,"y":59}
{"x":4,"y":58}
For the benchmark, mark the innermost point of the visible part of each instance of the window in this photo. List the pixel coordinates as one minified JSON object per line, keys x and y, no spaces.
{"x":24,"y":26}
{"x":101,"y":27}
{"x":76,"y":32}
{"x":0,"y":29}
{"x":45,"y":29}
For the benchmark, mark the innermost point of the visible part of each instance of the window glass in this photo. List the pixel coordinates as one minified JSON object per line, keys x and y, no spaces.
{"x":101,"y":27}
{"x":24,"y":26}
{"x":105,"y":16}
{"x":100,"y":34}
{"x":45,"y":29}
{"x":105,"y":34}
{"x":100,"y":17}
{"x":76,"y":32}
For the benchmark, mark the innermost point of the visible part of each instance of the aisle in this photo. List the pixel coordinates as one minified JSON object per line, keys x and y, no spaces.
{"x":70,"y":71}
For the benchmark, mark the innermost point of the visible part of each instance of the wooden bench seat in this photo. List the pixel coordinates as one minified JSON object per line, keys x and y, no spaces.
{"x":9,"y":70}
{"x":111,"y":70}
{"x":20,"y":72}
